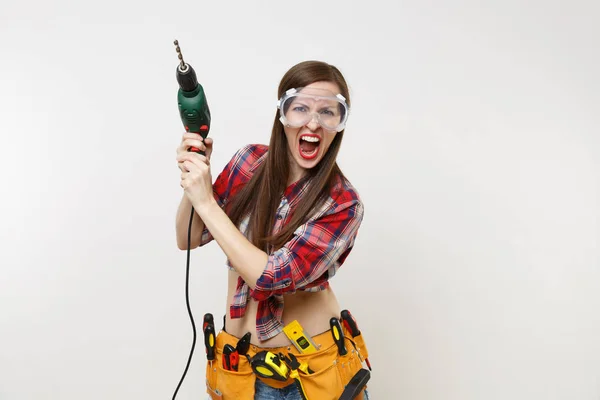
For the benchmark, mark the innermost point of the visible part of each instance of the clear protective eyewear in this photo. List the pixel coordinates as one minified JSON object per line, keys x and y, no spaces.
{"x":300,"y":106}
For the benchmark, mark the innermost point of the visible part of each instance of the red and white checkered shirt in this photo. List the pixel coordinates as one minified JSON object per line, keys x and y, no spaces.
{"x":309,"y":259}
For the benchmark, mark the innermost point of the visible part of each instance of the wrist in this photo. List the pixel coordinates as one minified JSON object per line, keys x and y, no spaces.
{"x":205,"y":208}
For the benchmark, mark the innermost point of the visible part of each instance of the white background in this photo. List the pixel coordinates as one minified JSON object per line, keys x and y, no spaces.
{"x":473,"y":141}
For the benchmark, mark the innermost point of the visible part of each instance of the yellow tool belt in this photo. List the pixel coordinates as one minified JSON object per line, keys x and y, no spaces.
{"x":331,"y":372}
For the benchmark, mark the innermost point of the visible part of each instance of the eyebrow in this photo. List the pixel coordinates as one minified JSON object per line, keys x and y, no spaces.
{"x":319,"y":103}
{"x":297,"y":101}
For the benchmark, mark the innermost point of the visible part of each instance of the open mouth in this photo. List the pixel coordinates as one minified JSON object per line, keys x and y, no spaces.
{"x":309,"y":146}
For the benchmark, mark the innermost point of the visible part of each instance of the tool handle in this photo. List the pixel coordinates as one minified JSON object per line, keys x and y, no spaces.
{"x":356,"y":385}
{"x":338,"y":335}
{"x":243,"y":345}
{"x":234,"y":360}
{"x":226,"y":361}
{"x":350,"y":323}
{"x":209,"y":342}
{"x":203,"y":132}
{"x":208,"y":320}
{"x":228,"y":358}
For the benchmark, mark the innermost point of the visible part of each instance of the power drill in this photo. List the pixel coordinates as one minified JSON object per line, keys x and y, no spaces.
{"x":195,"y":115}
{"x":193,"y":107}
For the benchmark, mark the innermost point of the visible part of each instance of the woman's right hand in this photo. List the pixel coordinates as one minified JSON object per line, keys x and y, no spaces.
{"x":190,"y":140}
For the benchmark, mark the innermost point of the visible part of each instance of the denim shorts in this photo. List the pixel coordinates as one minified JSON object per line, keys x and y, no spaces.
{"x":266,"y":392}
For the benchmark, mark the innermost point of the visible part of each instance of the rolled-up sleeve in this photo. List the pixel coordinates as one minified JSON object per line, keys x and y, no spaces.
{"x":318,"y":247}
{"x":224,"y":182}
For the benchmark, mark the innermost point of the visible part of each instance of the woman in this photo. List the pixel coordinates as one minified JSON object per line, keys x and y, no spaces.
{"x":286,"y":218}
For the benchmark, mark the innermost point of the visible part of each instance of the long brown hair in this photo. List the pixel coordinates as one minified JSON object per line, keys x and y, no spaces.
{"x":261,"y":196}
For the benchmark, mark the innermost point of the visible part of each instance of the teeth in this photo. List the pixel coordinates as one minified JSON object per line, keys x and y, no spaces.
{"x":310,"y":139}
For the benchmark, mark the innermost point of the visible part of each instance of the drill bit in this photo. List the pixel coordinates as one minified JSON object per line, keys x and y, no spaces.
{"x":182,"y":65}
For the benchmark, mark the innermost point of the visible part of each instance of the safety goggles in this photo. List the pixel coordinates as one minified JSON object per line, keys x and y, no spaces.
{"x":300,"y":106}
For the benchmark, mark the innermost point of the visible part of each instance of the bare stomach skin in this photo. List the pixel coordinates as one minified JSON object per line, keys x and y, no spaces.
{"x":311,"y":309}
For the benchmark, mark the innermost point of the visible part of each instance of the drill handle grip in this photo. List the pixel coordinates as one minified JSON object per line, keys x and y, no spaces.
{"x":204,"y":133}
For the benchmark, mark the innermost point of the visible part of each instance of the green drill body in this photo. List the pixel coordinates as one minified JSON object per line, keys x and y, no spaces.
{"x":194,"y":110}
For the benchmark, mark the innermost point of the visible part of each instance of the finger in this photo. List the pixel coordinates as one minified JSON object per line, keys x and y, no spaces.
{"x":195,"y":158}
{"x":198,"y":167}
{"x":182,"y":148}
{"x":202,"y":159}
{"x":191,"y":135}
{"x":187,"y":156}
{"x":188,"y":143}
{"x":184,"y":153}
{"x":189,"y":166}
{"x":208,"y":142}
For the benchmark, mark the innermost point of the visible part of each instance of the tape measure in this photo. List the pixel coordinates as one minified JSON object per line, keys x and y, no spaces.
{"x":269,"y":365}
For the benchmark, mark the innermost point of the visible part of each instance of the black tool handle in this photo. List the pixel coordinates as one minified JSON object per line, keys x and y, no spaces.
{"x":209,"y":342}
{"x":338,"y":335}
{"x":356,"y":385}
{"x":228,"y":351}
{"x":243,"y":345}
{"x":350,"y":323}
{"x":208,"y":320}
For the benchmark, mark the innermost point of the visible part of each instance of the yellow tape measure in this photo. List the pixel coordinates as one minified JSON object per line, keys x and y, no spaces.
{"x":269,"y":365}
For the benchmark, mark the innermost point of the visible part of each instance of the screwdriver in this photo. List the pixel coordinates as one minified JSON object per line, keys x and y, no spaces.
{"x":351,"y":325}
{"x":208,"y":327}
{"x":338,"y":335}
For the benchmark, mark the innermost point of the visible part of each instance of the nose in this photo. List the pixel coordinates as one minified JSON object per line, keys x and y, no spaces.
{"x":313,"y":124}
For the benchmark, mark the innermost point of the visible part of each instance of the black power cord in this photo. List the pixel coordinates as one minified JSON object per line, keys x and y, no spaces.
{"x":187,"y":302}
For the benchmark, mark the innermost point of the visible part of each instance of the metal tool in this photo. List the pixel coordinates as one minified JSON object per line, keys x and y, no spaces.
{"x":208,"y":327}
{"x":351,"y":325}
{"x":338,"y":335}
{"x":230,"y":358}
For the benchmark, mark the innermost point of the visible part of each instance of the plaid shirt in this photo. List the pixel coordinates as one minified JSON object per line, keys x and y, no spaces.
{"x":310,"y":258}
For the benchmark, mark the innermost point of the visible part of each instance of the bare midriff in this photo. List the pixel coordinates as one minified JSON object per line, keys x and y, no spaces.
{"x":311,"y":309}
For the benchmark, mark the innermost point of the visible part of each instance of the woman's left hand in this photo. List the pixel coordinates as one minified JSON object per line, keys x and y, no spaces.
{"x":197,"y":181}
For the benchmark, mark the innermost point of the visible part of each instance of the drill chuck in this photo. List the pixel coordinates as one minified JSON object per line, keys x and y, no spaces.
{"x":186,"y":77}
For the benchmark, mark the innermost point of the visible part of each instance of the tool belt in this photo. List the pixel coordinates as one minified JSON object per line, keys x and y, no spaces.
{"x":328,"y":371}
